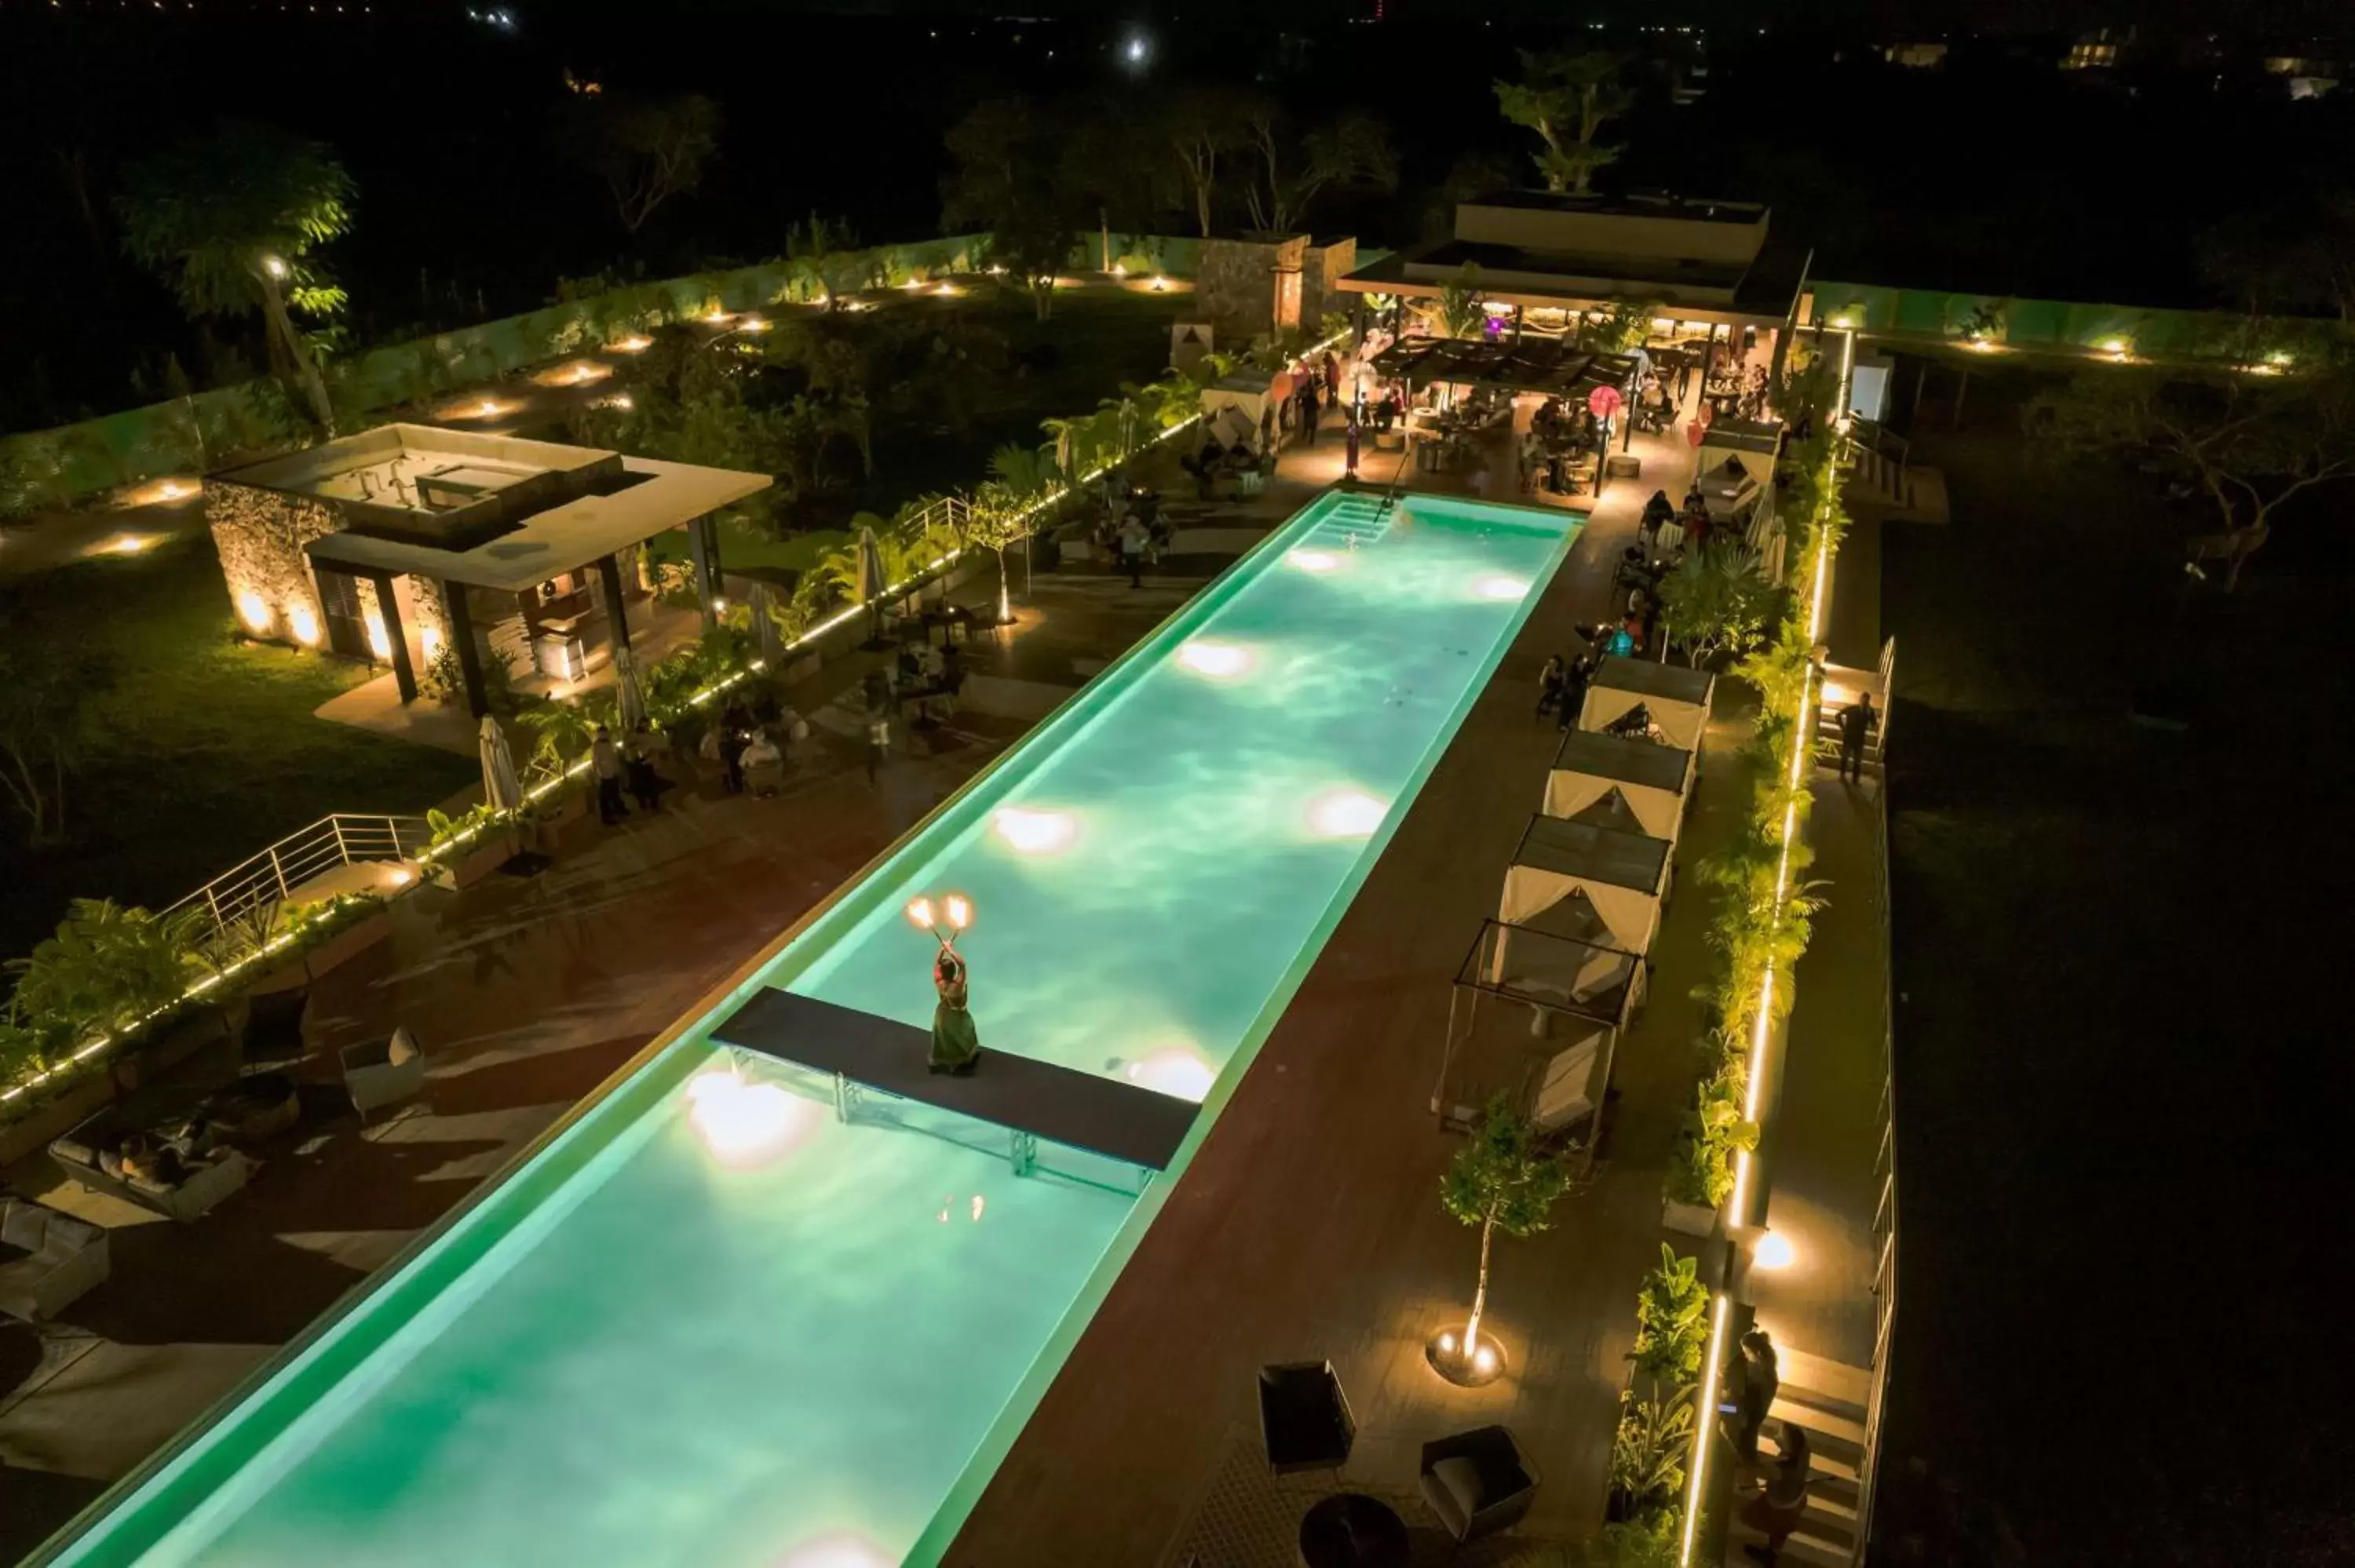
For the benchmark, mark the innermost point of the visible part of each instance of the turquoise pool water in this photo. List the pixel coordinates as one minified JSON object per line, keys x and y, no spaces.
{"x":711,"y":1324}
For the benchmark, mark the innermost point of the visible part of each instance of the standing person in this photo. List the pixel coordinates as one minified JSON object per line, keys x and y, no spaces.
{"x":1778,"y":1510}
{"x":645,"y":785}
{"x":1349,"y":457}
{"x":1856,"y":722}
{"x":1550,"y":684}
{"x":1573,"y":690}
{"x":1332,"y":376}
{"x":956,"y":1043}
{"x":1267,"y":429}
{"x":1133,"y":537}
{"x":1761,"y":1380}
{"x":606,"y":757}
{"x":878,"y":742}
{"x":1308,"y":413}
{"x":953,"y":673}
{"x":735,"y":725}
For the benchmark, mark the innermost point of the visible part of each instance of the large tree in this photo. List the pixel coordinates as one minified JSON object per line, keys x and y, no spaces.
{"x":1567,"y":98}
{"x":2295,"y":262}
{"x":645,"y":150}
{"x":233,"y":223}
{"x":1352,"y":151}
{"x":2242,"y":443}
{"x":1010,"y":178}
{"x":1199,"y":127}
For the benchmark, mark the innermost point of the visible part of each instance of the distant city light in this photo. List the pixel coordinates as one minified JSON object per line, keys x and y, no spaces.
{"x":1137,"y":51}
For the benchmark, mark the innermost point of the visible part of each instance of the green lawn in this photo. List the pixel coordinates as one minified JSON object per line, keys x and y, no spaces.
{"x":208,"y":751}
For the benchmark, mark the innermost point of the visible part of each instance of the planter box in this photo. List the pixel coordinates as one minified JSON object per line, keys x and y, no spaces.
{"x":31,"y":1132}
{"x":347,"y":945}
{"x":1688,"y":1219}
{"x":494,"y":852}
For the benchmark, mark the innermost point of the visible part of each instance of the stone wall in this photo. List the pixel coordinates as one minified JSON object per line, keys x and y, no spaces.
{"x":259,"y":535}
{"x":1241,"y":286}
{"x":1322,"y":268}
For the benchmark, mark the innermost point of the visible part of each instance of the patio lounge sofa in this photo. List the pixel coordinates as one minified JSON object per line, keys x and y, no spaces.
{"x":1477,"y":1482}
{"x":380,"y":1072}
{"x":1305,"y":1417}
{"x":85,"y":1152}
{"x":47,"y":1260}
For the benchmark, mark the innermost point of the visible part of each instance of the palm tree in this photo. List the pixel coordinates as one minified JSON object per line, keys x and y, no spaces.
{"x":232,"y":223}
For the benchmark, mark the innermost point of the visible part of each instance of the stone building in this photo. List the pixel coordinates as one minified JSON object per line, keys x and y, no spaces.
{"x":1266,"y":284}
{"x":396,"y":544}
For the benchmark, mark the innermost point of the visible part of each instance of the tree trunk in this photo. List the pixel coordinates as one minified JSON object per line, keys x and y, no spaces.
{"x":1479,"y":1297}
{"x":305,"y":372}
{"x":1005,"y":602}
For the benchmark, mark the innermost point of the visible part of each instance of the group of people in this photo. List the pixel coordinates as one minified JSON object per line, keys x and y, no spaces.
{"x":626,"y":767}
{"x":1559,"y":435}
{"x":1779,"y":1502}
{"x":1562,"y":687}
{"x":1130,"y":529}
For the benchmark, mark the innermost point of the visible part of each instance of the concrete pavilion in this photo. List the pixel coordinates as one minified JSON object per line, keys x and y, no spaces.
{"x":395,"y":543}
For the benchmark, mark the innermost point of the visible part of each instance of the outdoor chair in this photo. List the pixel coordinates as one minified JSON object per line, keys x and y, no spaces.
{"x":380,"y":1072}
{"x":1303,"y":1417}
{"x":1479,"y":1482}
{"x":47,"y":1260}
{"x":273,"y":1027}
{"x":84,"y":1152}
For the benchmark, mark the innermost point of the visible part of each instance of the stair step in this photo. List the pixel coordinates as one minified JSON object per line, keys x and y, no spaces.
{"x":1803,"y":1546}
{"x":1834,"y":1511}
{"x":1820,"y":1422}
{"x":1834,"y":1385}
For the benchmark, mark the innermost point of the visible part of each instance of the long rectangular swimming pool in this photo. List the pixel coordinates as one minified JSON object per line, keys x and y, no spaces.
{"x":709,"y":1323}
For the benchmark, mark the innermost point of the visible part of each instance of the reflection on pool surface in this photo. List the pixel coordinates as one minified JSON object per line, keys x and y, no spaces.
{"x":713,"y":1324}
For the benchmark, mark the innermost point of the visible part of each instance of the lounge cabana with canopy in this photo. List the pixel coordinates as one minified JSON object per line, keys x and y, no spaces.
{"x":1598,"y":884}
{"x":1675,"y":700}
{"x":1536,"y":1018}
{"x":1637,"y":785}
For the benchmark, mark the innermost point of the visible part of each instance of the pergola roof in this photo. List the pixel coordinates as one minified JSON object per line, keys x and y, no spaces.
{"x":1593,"y":854}
{"x":1763,"y":293}
{"x":560,"y":539}
{"x":1642,"y":762}
{"x":1529,"y":364}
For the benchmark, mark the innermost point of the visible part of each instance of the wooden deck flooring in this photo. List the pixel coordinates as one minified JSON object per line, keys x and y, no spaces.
{"x":1309,"y":1224}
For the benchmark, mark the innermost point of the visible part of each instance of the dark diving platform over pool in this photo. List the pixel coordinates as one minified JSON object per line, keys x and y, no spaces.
{"x":1030,"y":1098}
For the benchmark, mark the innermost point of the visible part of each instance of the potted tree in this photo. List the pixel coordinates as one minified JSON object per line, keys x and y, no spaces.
{"x":1504,"y":1180}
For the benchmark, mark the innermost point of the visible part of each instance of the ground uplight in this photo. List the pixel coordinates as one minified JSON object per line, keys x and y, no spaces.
{"x":1774,"y":1250}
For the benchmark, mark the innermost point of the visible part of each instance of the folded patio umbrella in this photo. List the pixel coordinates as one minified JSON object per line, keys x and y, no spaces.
{"x":501,"y":787}
{"x":627,"y":692}
{"x":871,"y":582}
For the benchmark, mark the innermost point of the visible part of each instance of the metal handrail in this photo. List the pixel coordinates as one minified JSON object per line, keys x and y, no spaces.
{"x":267,"y":880}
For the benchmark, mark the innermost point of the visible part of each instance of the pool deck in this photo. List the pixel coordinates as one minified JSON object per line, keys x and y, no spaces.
{"x":528,"y":994}
{"x":1308,"y":1226}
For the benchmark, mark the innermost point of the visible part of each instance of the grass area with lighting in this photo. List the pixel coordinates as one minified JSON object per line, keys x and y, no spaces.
{"x":206,"y":749}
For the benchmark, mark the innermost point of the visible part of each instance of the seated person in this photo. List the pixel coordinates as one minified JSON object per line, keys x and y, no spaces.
{"x":143,"y":1159}
{"x":765,"y":765}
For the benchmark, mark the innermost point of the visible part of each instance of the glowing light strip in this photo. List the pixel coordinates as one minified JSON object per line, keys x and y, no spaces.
{"x":1711,"y":1363}
{"x":541,"y":791}
{"x":1803,"y":747}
